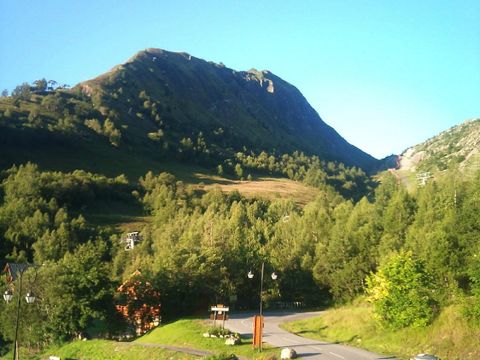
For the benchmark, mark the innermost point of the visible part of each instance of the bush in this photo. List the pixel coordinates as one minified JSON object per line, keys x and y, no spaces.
{"x":472,"y":304}
{"x":401,"y":292}
{"x":217,"y":331}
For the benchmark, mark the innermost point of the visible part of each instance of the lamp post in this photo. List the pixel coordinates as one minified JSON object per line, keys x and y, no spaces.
{"x":259,"y":328}
{"x":18,"y":270}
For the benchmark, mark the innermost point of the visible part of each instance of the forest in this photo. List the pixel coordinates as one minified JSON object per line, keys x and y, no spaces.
{"x":377,"y":240}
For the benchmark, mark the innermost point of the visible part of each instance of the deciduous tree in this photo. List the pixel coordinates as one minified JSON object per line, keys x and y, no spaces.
{"x":401,"y":292}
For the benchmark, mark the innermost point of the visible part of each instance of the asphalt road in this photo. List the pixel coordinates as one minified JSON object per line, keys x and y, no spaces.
{"x":305,"y":348}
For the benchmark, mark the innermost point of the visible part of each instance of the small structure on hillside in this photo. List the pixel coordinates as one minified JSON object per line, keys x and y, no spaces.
{"x":423,"y":177}
{"x":131,"y":239}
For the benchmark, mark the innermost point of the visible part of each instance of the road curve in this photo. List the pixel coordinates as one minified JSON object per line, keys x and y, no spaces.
{"x":305,"y":348}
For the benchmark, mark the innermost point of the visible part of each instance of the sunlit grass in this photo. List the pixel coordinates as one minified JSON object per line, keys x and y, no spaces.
{"x":267,"y":188}
{"x":103,"y":350}
{"x":188,"y":333}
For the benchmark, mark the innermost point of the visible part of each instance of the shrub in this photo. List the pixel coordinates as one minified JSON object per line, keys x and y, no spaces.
{"x":401,"y":292}
{"x":472,"y":305}
{"x":218,"y":331}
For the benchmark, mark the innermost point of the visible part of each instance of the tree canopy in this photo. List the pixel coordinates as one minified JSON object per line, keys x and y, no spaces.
{"x":197,"y":247}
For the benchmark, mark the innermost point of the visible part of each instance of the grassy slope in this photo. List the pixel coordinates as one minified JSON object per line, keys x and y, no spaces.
{"x":185,"y":333}
{"x":264,"y":187}
{"x":449,"y":337}
{"x":188,"y":333}
{"x":103,"y":350}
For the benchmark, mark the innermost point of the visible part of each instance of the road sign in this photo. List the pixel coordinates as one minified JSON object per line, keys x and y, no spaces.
{"x":219,"y":313}
{"x":219,"y":309}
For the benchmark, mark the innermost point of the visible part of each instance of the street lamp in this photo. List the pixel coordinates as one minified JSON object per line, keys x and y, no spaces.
{"x":8,"y":295}
{"x":18,"y":270}
{"x":30,"y":298}
{"x":250,"y":275}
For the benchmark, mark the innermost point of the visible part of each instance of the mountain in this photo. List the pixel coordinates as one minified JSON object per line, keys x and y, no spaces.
{"x":255,"y":109}
{"x":457,"y":147}
{"x":159,"y":105}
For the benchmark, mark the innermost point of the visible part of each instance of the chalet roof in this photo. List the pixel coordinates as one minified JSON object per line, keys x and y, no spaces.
{"x":13,"y":270}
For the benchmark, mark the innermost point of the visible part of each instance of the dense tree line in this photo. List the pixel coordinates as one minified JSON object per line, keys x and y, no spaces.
{"x":332,"y":244}
{"x":197,"y":247}
{"x":41,"y":222}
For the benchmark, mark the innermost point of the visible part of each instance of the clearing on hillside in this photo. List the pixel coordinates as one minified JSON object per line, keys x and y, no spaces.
{"x":267,"y":188}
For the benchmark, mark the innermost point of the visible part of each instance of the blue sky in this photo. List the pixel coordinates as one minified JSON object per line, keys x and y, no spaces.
{"x":385,"y":74}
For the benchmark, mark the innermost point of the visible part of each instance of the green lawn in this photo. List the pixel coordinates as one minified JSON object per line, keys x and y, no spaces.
{"x":449,"y":337}
{"x":188,"y":333}
{"x":102,"y":350}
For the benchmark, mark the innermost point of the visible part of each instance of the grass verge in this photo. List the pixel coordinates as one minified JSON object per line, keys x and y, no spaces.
{"x":102,"y":350}
{"x":188,"y":333}
{"x":450,"y":336}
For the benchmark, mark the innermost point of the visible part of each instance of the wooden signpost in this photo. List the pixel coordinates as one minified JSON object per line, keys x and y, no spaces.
{"x":257,"y":331}
{"x":219,"y":313}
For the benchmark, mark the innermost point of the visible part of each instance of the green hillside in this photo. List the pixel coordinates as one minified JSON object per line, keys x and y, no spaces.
{"x":184,"y":96}
{"x":161,"y":106}
{"x":457,"y":147}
